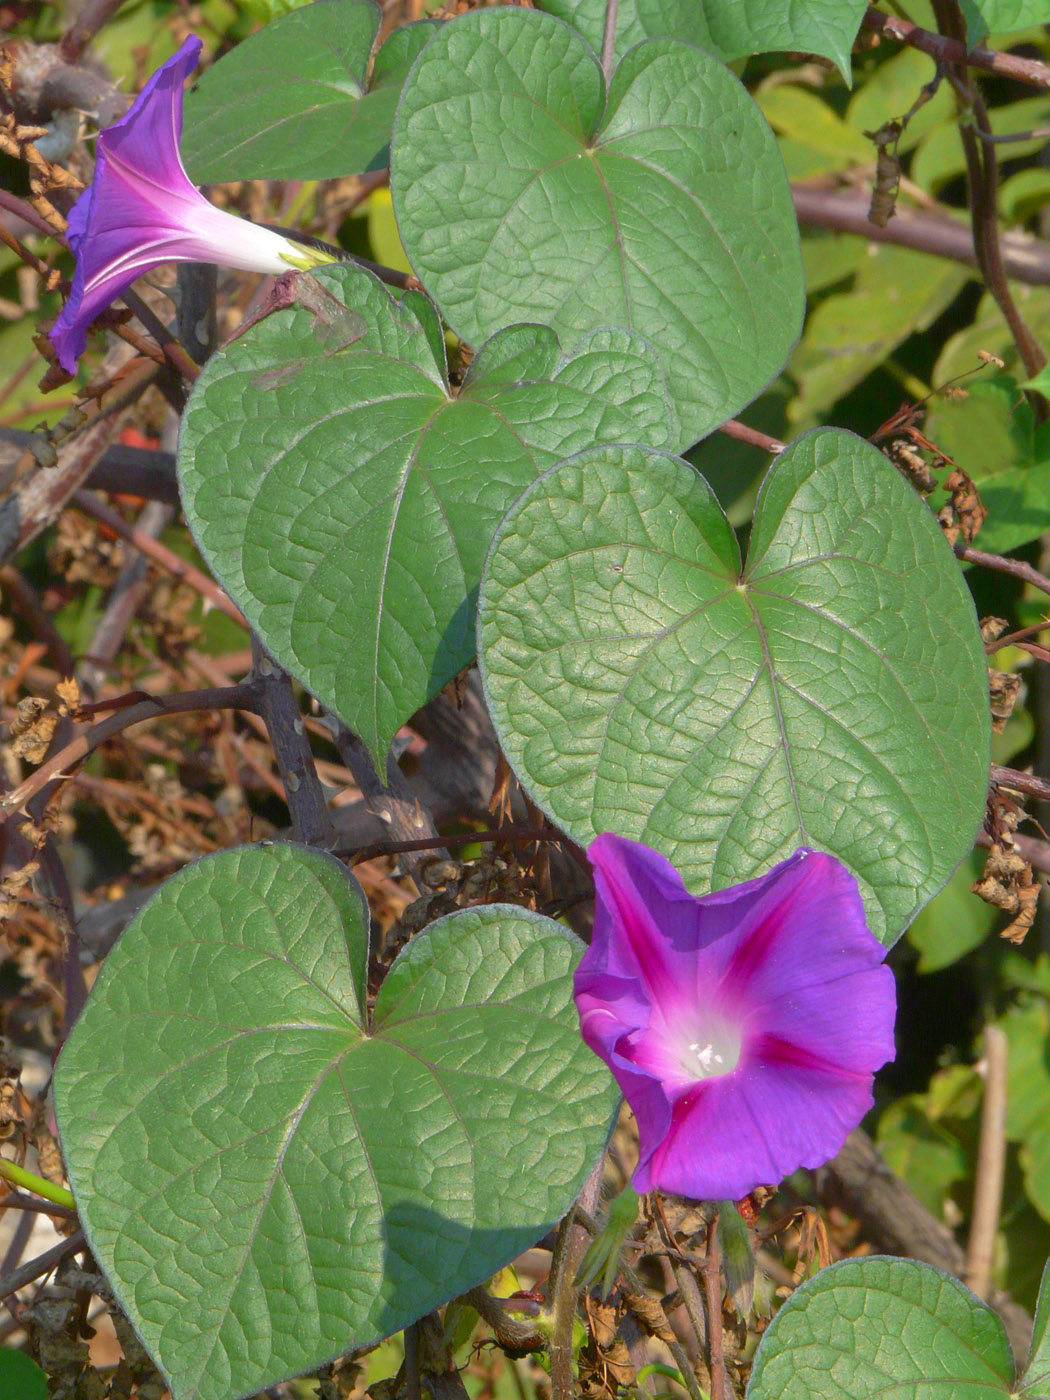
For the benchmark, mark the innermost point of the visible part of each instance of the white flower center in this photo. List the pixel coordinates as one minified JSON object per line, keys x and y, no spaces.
{"x":716,"y":1053}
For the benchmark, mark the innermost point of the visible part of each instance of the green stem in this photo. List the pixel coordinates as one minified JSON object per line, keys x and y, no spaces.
{"x":29,"y":1181}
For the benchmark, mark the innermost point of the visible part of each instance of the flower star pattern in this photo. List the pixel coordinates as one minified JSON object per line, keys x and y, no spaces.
{"x":141,"y":210}
{"x":744,"y":1027}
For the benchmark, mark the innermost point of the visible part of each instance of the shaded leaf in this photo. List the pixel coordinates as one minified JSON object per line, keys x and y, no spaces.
{"x":346,"y":499}
{"x":295,"y":101}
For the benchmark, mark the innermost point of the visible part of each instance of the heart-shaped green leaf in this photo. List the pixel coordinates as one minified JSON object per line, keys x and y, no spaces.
{"x":518,"y":199}
{"x":833,"y":693}
{"x":865,"y":1329}
{"x":729,"y":28}
{"x":346,"y":499}
{"x":266,"y":1177}
{"x":295,"y":101}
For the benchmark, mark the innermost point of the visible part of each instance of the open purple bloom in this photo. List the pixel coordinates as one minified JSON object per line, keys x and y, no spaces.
{"x":141,"y":210}
{"x":744,"y":1027}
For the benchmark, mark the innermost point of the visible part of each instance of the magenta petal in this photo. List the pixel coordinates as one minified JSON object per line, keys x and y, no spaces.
{"x":735,"y":1134}
{"x":636,"y":888}
{"x":141,"y":210}
{"x":811,"y":898}
{"x":744,"y":1027}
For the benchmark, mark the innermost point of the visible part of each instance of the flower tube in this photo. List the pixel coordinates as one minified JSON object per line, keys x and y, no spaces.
{"x":141,"y":210}
{"x":745,"y":1026}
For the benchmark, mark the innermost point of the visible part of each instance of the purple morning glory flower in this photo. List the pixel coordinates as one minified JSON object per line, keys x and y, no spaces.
{"x":141,"y":210}
{"x":744,"y":1027}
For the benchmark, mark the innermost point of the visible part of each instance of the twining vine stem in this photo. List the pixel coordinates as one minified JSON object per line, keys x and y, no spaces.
{"x":1017,"y":567}
{"x":991,"y":1163}
{"x":982,"y":176}
{"x":949,"y":50}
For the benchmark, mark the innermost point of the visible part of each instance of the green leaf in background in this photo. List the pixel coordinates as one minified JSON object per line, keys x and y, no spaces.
{"x":268,"y":1178}
{"x":939,"y":157}
{"x":984,"y":17}
{"x":850,"y":333}
{"x":891,"y":89}
{"x":267,"y":10}
{"x":1027,"y":1027}
{"x":994,"y":436}
{"x":795,"y":110}
{"x":928,"y":1139}
{"x":730,"y":29}
{"x":869,"y":1328}
{"x":20,"y":1377}
{"x":672,"y":217}
{"x":346,"y":499}
{"x":833,"y":693}
{"x":988,"y":331}
{"x":955,"y":922}
{"x":292,"y":102}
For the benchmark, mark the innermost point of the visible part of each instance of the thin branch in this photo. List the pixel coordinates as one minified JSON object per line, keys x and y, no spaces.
{"x":413,"y":1390}
{"x":944,"y":50}
{"x":91,"y":16}
{"x":1020,"y":782}
{"x":231,"y":697}
{"x":42,"y":1264}
{"x":713,"y":1298}
{"x":279,"y":709}
{"x":1024,"y":259}
{"x":635,"y":1287}
{"x":37,"y":497}
{"x":168,"y":560}
{"x":33,"y":1204}
{"x":23,"y":210}
{"x":1037,"y":133}
{"x":393,"y":802}
{"x":172,"y":350}
{"x":991,"y":1162}
{"x":562,"y":1293}
{"x":514,"y":1333}
{"x":125,"y":599}
{"x":742,"y":433}
{"x":1015,"y":567}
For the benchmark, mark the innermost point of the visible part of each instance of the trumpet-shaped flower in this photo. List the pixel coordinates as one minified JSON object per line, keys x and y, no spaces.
{"x":142,"y":210}
{"x":744,"y":1027}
